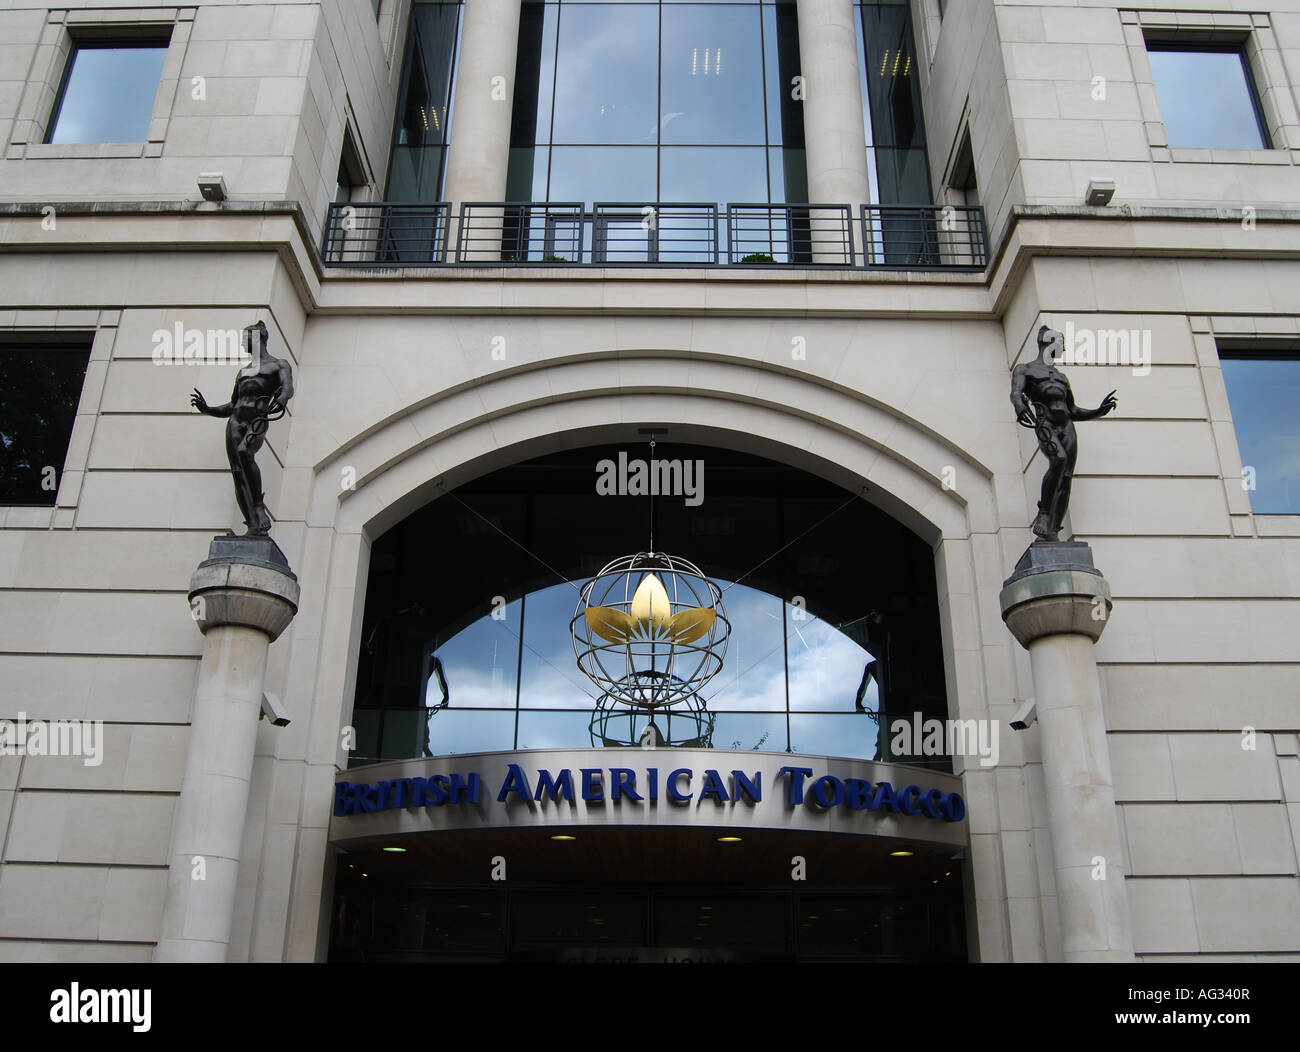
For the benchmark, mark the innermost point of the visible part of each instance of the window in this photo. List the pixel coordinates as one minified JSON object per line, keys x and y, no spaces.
{"x":351,"y":175}
{"x":963,"y":189}
{"x":108,"y":92}
{"x":1207,"y":96}
{"x":420,"y":133}
{"x":891,"y":104}
{"x":829,"y":638}
{"x":1263,"y":391}
{"x":657,"y":102}
{"x":40,"y":386}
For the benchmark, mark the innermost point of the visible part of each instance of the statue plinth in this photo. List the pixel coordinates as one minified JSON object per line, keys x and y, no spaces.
{"x":244,"y":582}
{"x":1055,"y":588}
{"x":1056,"y":603}
{"x":242,"y":597}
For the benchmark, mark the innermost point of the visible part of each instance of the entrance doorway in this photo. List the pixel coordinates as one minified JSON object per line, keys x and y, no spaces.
{"x":625,"y":895}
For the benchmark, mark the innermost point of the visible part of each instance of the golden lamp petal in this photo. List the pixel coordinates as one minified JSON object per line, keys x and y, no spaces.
{"x":688,"y":625}
{"x":610,"y":624}
{"x":650,"y":605}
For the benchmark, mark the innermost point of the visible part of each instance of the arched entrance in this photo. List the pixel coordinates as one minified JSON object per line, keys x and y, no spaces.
{"x":466,"y":665}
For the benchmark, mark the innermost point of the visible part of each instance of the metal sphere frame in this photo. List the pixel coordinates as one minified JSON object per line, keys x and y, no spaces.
{"x":647,"y":665}
{"x":616,"y":724}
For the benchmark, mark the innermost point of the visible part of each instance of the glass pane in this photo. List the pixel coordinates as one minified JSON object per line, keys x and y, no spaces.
{"x":109,"y":95}
{"x":40,"y":388}
{"x":1206,"y":99}
{"x":825,"y":666}
{"x":453,"y":731}
{"x":591,"y":174}
{"x":457,"y":921}
{"x":576,"y":919}
{"x":1263,"y":395}
{"x":788,"y":175}
{"x":526,"y":174}
{"x":757,"y":923}
{"x":852,"y":736}
{"x":606,"y":81}
{"x":781,"y":58}
{"x":893,"y":96}
{"x":555,"y":730}
{"x":712,"y":75}
{"x":550,"y":678}
{"x":366,"y":724}
{"x":478,"y":665}
{"x":416,"y":175}
{"x":903,"y":177}
{"x":761,"y":731}
{"x":534,"y":75}
{"x":754,"y":674}
{"x":713,"y":176}
{"x":426,"y":92}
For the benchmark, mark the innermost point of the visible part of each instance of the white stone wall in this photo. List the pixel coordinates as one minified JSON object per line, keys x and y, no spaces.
{"x":1199,"y":661}
{"x":259,"y":91}
{"x":1084,"y":106}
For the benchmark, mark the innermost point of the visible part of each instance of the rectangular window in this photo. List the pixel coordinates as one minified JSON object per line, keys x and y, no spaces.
{"x":1207,"y":96}
{"x":40,"y":386}
{"x":108,"y":91}
{"x":613,"y":96}
{"x":1263,"y":391}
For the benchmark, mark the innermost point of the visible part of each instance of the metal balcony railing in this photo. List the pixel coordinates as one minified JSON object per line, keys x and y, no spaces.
{"x":924,"y":237}
{"x":567,"y":233}
{"x":654,"y":232}
{"x":798,"y":235}
{"x":520,"y":232}
{"x":382,"y":234}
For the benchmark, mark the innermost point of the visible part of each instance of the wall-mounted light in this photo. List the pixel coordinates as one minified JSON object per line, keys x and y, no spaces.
{"x":212,"y":185}
{"x":1100,"y":191}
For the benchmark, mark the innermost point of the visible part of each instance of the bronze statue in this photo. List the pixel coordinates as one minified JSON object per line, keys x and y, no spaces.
{"x":262,"y":390}
{"x":1041,"y":397}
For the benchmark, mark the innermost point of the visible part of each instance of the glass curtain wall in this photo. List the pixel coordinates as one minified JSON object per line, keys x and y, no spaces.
{"x":466,"y":642}
{"x":644,"y":102}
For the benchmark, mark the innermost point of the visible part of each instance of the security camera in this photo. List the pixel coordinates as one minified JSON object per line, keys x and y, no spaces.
{"x":1025,"y":715}
{"x":273,"y":710}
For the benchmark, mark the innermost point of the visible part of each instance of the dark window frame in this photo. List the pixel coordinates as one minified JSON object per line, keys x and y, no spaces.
{"x":67,"y":343}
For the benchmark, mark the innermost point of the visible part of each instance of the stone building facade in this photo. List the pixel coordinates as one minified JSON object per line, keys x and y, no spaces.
{"x":415,"y":377}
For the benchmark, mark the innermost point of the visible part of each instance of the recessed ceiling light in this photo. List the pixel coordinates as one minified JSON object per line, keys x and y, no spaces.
{"x":398,"y":850}
{"x":563,"y":836}
{"x":729,"y":839}
{"x":901,"y":854}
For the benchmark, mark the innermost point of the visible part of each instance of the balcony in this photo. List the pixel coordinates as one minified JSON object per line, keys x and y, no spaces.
{"x":655,"y":234}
